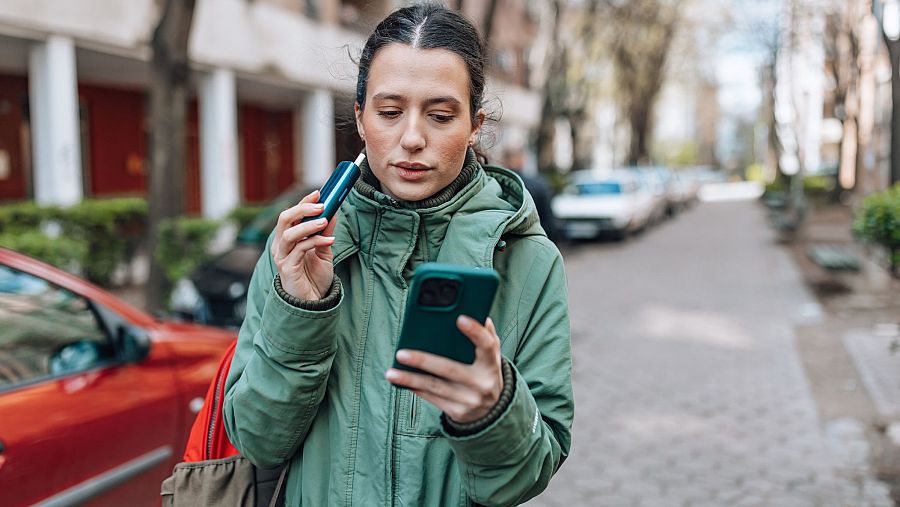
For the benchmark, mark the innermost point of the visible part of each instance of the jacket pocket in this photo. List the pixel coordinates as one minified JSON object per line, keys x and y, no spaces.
{"x":418,"y":417}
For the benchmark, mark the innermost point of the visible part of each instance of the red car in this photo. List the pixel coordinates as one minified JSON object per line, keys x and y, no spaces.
{"x":96,"y":397}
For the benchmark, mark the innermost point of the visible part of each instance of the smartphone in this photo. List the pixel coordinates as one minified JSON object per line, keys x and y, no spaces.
{"x":337,"y":187}
{"x":439,"y":294}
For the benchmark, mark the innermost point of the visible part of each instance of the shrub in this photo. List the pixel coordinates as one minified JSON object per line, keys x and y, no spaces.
{"x":819,"y":184}
{"x":111,"y":229}
{"x":243,"y":215}
{"x":25,"y":216}
{"x":184,"y":244}
{"x":62,"y":252}
{"x":878,"y":221}
{"x":95,"y":234}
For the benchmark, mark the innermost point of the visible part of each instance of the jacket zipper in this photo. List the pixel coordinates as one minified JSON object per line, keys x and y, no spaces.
{"x":214,"y":416}
{"x":394,"y":485}
{"x":413,"y":410}
{"x":395,"y":418}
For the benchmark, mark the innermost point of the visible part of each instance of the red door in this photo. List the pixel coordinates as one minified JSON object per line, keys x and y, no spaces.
{"x":77,"y":424}
{"x":116,"y":140}
{"x":267,"y":152}
{"x":13,"y":148}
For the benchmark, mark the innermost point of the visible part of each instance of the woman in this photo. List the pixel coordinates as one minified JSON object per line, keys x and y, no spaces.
{"x":311,"y":381}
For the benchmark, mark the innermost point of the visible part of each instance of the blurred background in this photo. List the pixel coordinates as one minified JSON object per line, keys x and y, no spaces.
{"x":721,"y":177}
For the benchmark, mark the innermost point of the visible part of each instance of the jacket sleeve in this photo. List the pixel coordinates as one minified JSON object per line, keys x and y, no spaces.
{"x":513,"y":459}
{"x":279,"y":372}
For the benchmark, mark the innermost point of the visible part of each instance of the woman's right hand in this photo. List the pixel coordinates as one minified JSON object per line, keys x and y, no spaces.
{"x":302,"y":257}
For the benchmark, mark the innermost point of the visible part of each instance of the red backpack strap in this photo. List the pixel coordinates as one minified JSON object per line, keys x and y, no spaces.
{"x":208,"y":439}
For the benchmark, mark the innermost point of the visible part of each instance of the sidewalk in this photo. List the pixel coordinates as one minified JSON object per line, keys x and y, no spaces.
{"x":854,"y":375}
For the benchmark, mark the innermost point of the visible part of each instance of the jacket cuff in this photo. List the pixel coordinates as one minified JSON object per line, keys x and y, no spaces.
{"x":516,"y":428}
{"x":457,"y":429}
{"x":298,"y":331}
{"x":329,"y":301}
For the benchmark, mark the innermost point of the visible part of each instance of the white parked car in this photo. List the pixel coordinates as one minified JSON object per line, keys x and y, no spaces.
{"x":597,"y":204}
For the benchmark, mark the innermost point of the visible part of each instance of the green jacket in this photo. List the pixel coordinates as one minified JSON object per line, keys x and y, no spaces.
{"x":309,"y":386}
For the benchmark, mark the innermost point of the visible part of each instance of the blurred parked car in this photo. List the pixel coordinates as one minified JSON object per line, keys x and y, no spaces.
{"x":97,"y":398}
{"x":216,"y":292}
{"x":654,"y":186}
{"x":598,"y":203}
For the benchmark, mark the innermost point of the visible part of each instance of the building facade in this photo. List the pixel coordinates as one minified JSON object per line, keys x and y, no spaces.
{"x":272,"y":84}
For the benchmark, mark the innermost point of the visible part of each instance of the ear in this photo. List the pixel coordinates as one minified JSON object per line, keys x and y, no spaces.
{"x":357,"y":111}
{"x":476,"y":128}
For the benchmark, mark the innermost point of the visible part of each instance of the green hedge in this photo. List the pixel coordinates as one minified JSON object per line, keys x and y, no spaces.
{"x":243,"y":215}
{"x":111,"y":229}
{"x":878,"y":221}
{"x":25,"y":216}
{"x":184,"y":244}
{"x":62,"y":252}
{"x":95,"y":235}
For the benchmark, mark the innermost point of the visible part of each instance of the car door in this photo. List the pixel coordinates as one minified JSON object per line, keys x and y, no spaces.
{"x":78,"y":423}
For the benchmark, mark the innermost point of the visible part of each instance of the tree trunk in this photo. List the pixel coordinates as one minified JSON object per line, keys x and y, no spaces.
{"x":488,"y":27}
{"x":894,"y":52}
{"x":639,"y":117}
{"x":168,"y":108}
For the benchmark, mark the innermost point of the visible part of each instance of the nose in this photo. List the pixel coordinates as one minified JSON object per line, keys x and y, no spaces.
{"x":413,"y":138}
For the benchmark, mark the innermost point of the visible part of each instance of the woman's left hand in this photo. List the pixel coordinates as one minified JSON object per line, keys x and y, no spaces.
{"x":465,"y":392}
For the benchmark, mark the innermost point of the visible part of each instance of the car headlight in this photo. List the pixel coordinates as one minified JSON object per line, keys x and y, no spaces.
{"x":185,"y":297}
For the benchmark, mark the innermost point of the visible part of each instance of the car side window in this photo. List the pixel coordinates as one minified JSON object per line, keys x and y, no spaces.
{"x":46,"y":330}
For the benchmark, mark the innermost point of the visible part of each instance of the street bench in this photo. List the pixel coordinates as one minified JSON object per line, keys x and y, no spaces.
{"x":837,"y":262}
{"x":833,"y":257}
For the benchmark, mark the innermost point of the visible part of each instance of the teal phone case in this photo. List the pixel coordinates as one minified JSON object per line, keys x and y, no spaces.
{"x":433,"y":328}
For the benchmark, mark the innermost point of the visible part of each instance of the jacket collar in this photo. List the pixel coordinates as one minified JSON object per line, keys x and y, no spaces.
{"x":491,"y":204}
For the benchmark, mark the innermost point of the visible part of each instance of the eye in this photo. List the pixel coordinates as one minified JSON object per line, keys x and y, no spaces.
{"x":442,"y":118}
{"x":389,"y":114}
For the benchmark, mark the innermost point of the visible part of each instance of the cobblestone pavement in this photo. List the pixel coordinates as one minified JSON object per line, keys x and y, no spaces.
{"x":689,"y":389}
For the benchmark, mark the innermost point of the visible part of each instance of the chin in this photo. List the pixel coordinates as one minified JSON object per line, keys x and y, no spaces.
{"x":410,"y":192}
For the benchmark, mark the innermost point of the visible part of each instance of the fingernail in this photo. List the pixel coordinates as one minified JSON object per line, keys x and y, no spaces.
{"x":321,"y":221}
{"x":403,"y":355}
{"x":392,"y":374}
{"x":319,"y":205}
{"x":464,"y":322}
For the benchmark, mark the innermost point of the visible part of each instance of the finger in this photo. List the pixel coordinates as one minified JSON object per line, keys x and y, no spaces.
{"x":287,"y":217}
{"x":440,"y":366}
{"x":332,"y":222}
{"x":449,"y":407}
{"x":295,"y":257}
{"x":487,"y":344}
{"x":423,"y":382}
{"x":299,"y":232}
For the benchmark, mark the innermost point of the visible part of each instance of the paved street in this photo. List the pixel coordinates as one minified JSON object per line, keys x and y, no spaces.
{"x":689,"y":388}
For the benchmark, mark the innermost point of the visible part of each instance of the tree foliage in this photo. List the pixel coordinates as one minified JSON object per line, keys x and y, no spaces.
{"x":639,"y":37}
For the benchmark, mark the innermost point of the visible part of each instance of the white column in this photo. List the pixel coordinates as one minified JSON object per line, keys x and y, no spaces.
{"x":318,"y":137}
{"x":56,"y":140}
{"x":219,"y":177}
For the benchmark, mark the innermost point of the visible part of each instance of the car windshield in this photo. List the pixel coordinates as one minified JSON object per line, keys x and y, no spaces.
{"x":599,"y":188}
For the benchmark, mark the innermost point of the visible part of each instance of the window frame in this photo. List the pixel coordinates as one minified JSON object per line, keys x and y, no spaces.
{"x":108,"y":322}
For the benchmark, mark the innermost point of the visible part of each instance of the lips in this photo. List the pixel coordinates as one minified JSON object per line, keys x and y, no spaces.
{"x":417,"y":166}
{"x":411,"y":171}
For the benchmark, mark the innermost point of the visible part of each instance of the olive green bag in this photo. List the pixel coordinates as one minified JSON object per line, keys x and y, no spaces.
{"x":226,"y":481}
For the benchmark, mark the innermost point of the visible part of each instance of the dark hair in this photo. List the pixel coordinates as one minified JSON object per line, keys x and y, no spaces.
{"x":428,"y":26}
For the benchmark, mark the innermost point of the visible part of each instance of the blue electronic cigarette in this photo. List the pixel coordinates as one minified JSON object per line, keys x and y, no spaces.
{"x":337,"y":187}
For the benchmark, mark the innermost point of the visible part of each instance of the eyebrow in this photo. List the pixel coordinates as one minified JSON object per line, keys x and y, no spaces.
{"x":447,"y":99}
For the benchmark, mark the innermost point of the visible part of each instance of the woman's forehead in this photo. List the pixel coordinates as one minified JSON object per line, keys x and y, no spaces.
{"x":399,"y":71}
